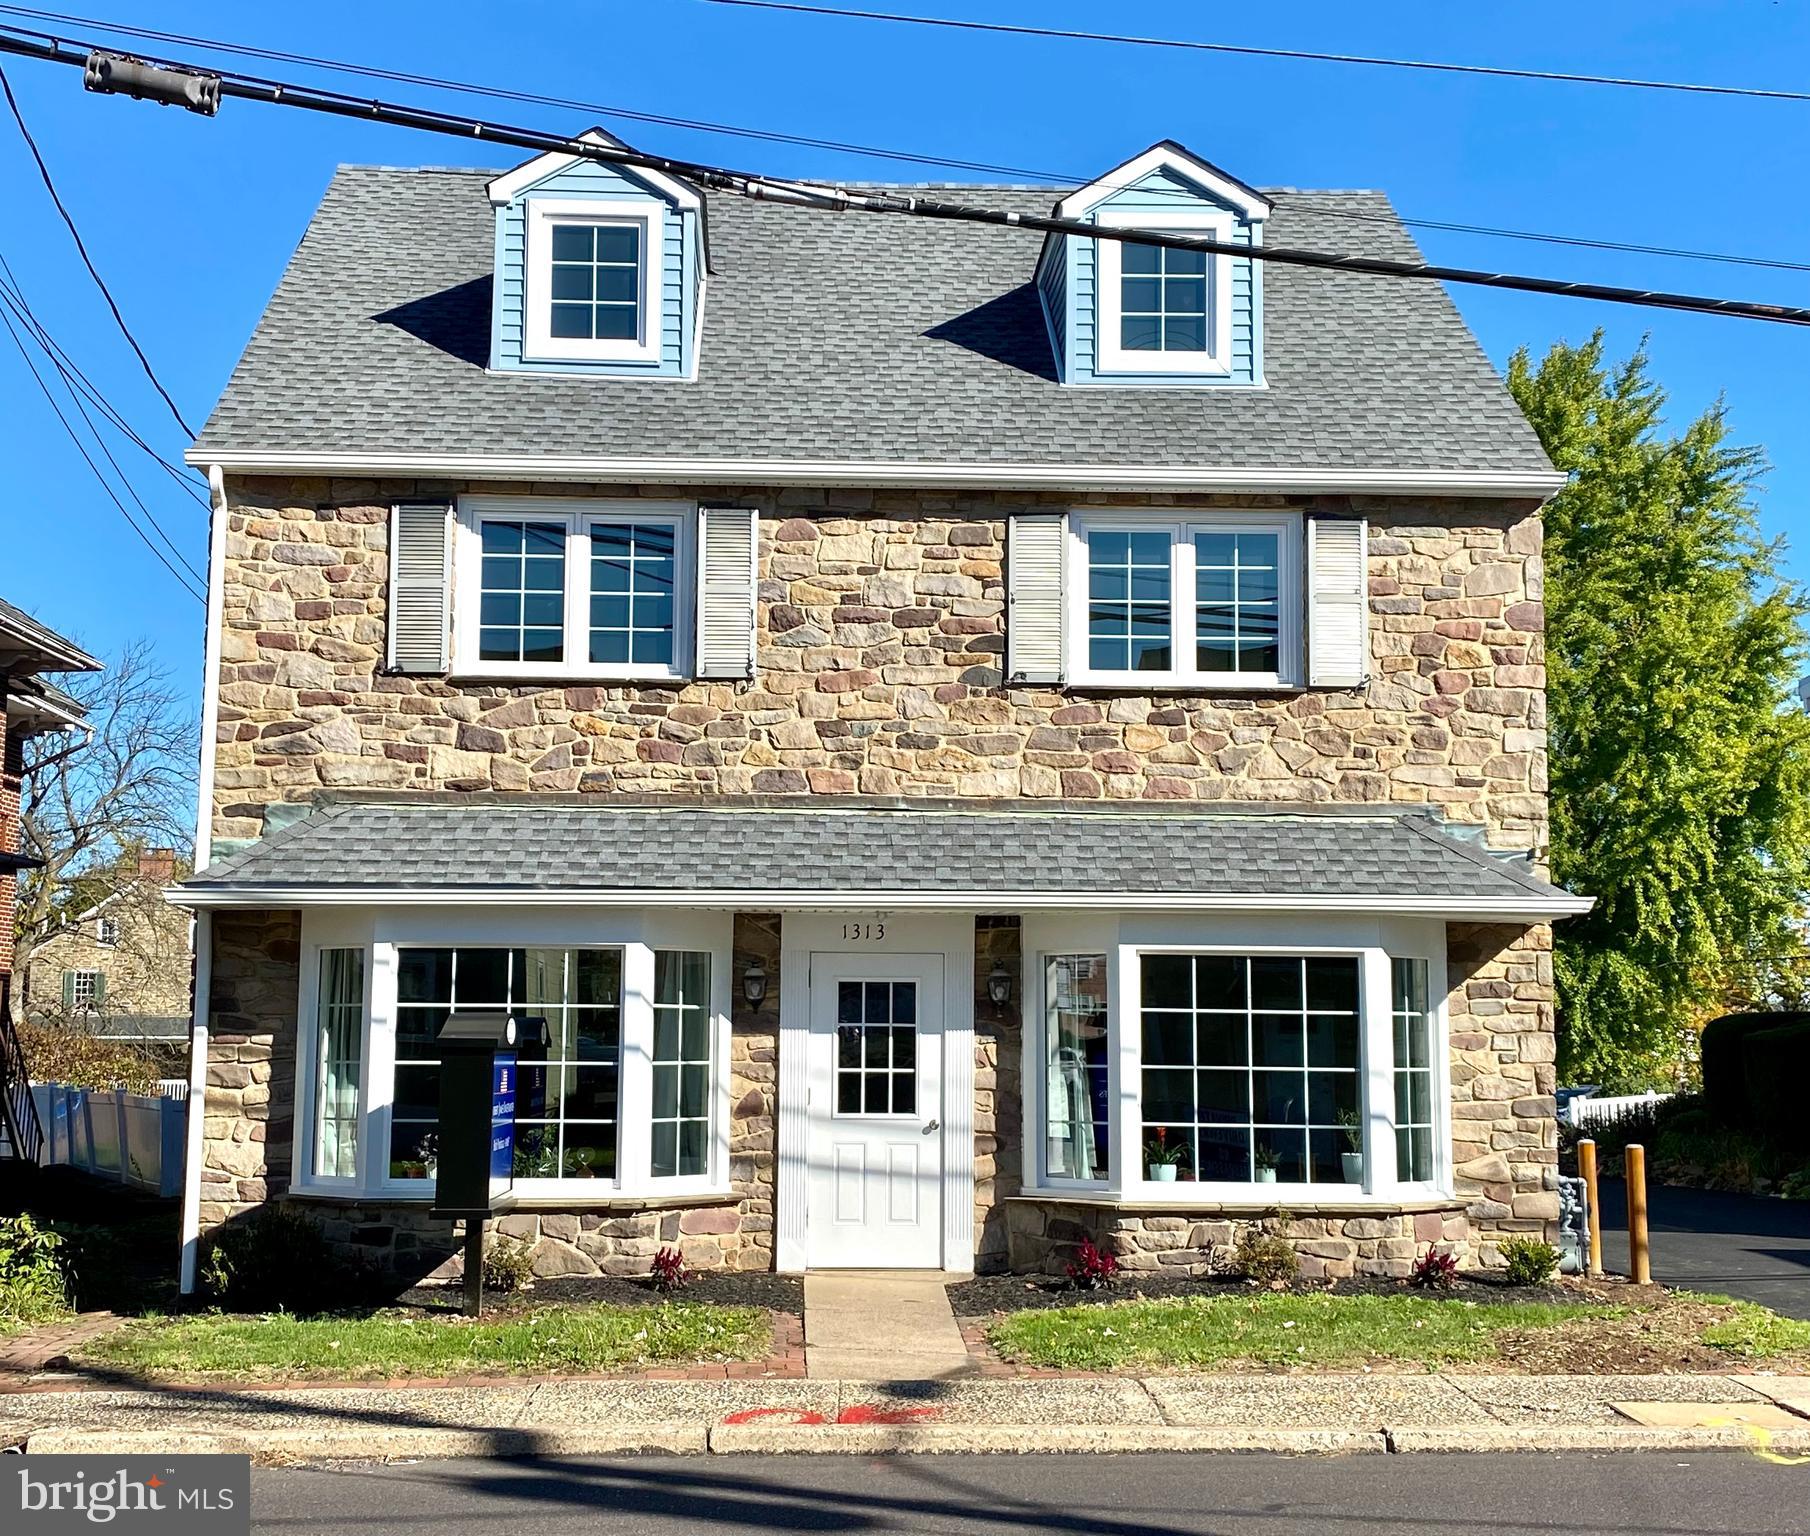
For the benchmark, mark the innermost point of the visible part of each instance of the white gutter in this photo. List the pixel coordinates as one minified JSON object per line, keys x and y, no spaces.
{"x":1530,"y":908}
{"x":210,"y":675}
{"x":862,"y":472}
{"x":197,"y":1103}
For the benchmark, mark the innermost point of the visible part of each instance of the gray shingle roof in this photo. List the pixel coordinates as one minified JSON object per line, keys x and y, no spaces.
{"x":852,"y":337}
{"x":59,"y":654}
{"x":668,"y":852}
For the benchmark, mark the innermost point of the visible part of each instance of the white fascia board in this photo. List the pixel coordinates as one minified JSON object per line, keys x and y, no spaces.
{"x":510,"y":184}
{"x":1540,"y":483}
{"x":1530,"y":908}
{"x":1166,"y":157}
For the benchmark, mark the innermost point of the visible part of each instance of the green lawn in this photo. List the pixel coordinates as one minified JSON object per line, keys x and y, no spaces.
{"x":1757,"y":1333}
{"x":396,"y":1343}
{"x":1272,"y":1329}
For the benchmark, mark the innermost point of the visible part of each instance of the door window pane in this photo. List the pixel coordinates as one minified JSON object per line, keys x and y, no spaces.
{"x":339,"y":1035}
{"x":876,"y":1048}
{"x":682,"y":1061}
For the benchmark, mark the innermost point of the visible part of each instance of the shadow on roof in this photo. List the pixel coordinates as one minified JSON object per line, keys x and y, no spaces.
{"x":1009,"y":329}
{"x":455,"y":321}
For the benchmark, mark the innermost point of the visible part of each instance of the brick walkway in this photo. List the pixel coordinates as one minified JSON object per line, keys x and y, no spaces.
{"x":46,"y":1349}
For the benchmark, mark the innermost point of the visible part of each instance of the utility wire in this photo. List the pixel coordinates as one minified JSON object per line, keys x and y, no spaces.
{"x":75,"y":234}
{"x":1249,"y":51}
{"x":1056,"y":179}
{"x":825,"y":197}
{"x":13,"y":295}
{"x":100,"y":441}
{"x":50,"y":399}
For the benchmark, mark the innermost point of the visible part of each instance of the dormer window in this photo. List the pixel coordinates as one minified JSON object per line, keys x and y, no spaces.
{"x":1165,"y":310}
{"x":587,"y":281}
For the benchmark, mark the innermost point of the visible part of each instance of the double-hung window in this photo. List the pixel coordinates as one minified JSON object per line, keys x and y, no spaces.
{"x":593,"y":271}
{"x":1209,"y":602}
{"x":585,"y":589}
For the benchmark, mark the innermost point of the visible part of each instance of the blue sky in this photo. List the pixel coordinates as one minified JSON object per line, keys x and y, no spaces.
{"x":191,"y":220}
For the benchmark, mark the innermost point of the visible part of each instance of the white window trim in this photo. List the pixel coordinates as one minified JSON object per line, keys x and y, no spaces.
{"x":1128,"y":1182}
{"x":637,"y":941}
{"x":1181,"y":527}
{"x":1113,"y":358}
{"x":538,"y":342}
{"x":575,"y":517}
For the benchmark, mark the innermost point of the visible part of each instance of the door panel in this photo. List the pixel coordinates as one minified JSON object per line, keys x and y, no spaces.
{"x":875,"y":1064}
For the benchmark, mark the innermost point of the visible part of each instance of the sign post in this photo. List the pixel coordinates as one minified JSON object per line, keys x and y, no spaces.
{"x":475,"y":1176}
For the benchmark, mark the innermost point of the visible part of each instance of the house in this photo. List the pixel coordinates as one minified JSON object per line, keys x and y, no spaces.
{"x":30,"y":705}
{"x":965,"y":744}
{"x":120,"y":967}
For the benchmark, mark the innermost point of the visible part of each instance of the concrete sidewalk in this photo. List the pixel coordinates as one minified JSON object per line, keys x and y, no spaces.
{"x":868,"y":1324}
{"x":1324,"y":1412}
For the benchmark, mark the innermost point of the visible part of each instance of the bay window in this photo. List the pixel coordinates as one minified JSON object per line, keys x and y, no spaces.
{"x":1413,"y":1063}
{"x":629,"y":1093}
{"x":1209,"y":601}
{"x":572,"y":589}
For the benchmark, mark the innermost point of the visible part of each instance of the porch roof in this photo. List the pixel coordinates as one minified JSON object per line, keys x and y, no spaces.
{"x":994,"y":856}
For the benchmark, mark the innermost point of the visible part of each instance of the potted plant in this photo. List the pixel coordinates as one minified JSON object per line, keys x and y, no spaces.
{"x":1266,"y":1161}
{"x":1162,"y":1157}
{"x":1351,"y":1161}
{"x":427,"y":1154}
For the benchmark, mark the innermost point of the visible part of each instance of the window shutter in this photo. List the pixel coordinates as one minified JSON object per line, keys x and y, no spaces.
{"x":420,"y":585}
{"x":1034,"y":596}
{"x":1338,"y":643}
{"x":100,"y":988}
{"x":727,"y":544}
{"x":69,"y":989}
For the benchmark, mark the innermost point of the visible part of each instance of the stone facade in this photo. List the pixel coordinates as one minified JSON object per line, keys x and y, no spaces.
{"x":880,"y":650}
{"x":147,"y":970}
{"x":881,"y":641}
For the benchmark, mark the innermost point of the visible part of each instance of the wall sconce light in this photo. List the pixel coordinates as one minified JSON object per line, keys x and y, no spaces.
{"x":754,"y":983}
{"x":999,"y":984}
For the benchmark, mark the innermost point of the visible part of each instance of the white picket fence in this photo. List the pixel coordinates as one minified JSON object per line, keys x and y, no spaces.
{"x":136,"y":1139}
{"x":1599,"y":1109}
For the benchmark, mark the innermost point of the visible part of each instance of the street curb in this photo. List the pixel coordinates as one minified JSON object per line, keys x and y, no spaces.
{"x":1596,"y":1437}
{"x":1034,"y":1439}
{"x":364,"y":1443}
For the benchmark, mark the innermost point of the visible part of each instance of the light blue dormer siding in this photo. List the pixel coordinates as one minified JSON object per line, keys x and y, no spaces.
{"x":1068,"y":284}
{"x":675,"y":295}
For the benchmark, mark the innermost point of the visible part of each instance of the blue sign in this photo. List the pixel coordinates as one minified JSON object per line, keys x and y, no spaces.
{"x":502,"y":1117}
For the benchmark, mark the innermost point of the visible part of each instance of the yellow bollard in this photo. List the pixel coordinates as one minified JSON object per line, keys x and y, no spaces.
{"x":1638,"y":1264}
{"x":1586,"y":1168}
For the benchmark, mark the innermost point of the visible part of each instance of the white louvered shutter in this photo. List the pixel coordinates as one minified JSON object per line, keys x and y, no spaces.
{"x":420,"y":585}
{"x":1338,"y":641}
{"x":726,"y":585}
{"x":1035,"y":543}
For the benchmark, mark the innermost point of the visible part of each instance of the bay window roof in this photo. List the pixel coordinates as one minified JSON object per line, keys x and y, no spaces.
{"x":780,"y":853}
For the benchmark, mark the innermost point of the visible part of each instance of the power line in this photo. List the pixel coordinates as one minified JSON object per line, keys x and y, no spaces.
{"x":13,"y":294}
{"x":826,"y":197}
{"x":839,"y":146}
{"x":9,"y":304}
{"x":50,"y":399}
{"x":1194,"y":46}
{"x":75,"y":234}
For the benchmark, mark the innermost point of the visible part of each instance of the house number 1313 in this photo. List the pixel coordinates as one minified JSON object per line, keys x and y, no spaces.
{"x":867,"y":933}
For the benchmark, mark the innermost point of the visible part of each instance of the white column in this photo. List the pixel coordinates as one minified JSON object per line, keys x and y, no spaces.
{"x":791,"y":1179}
{"x":958,"y":1098}
{"x":1123,"y":1080}
{"x":1375,"y":999}
{"x":634,"y":1139}
{"x":197,"y":1101}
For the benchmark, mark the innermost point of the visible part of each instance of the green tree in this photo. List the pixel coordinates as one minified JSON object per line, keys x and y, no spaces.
{"x":1680,"y":760}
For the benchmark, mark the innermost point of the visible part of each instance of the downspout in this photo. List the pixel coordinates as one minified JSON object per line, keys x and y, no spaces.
{"x":204,"y":921}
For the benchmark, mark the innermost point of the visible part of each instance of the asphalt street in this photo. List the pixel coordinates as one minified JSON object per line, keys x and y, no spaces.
{"x":1615,"y":1495}
{"x":1741,"y":1245}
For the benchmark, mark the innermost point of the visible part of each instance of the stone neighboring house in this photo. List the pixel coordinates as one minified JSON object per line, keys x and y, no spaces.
{"x":30,"y":705}
{"x":966,"y":744}
{"x":122,"y":967}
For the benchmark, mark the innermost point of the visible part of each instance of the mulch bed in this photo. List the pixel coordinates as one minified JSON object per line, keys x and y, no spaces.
{"x":777,"y":1293}
{"x":987,"y":1294}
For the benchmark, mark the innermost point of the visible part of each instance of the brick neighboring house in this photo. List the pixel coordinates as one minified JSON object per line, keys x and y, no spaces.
{"x":122,"y":968}
{"x":966,"y":745}
{"x":30,"y":705}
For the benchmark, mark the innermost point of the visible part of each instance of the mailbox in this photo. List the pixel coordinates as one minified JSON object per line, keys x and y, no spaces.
{"x":478,"y":1055}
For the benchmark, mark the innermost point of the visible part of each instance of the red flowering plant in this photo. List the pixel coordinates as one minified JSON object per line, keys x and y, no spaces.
{"x":671,"y":1273}
{"x":1092,"y":1268}
{"x":1433,"y":1271}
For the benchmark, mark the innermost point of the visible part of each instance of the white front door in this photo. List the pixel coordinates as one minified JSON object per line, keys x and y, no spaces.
{"x":874,"y":1105}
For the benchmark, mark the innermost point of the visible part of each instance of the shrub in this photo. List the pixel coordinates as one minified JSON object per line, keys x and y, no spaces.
{"x":1777,"y":1065}
{"x":507,"y":1266}
{"x":33,"y":1285}
{"x":1723,"y":1049}
{"x":1433,"y":1271}
{"x":671,"y":1272}
{"x":1263,"y":1257}
{"x":1796,"y":1186}
{"x":276,"y":1260}
{"x":1529,"y":1260}
{"x":1092,"y":1268}
{"x":64,"y":1053}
